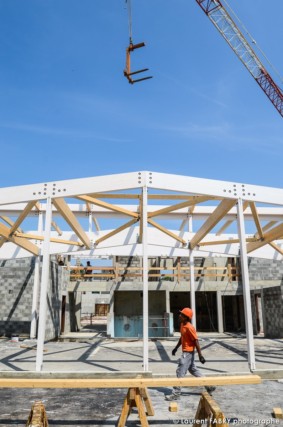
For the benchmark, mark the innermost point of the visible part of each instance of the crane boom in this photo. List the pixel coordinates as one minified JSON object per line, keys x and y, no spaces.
{"x":219,"y":16}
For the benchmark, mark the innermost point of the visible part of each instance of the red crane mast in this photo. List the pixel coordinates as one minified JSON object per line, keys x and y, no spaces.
{"x":221,"y":19}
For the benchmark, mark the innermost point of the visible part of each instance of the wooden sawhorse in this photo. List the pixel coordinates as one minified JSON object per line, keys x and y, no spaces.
{"x":136,"y":397}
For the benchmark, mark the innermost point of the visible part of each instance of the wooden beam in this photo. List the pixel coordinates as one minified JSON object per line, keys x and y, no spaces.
{"x":22,"y":216}
{"x":56,"y":228}
{"x":107,"y":206}
{"x":225,"y":242}
{"x":164,"y":230}
{"x":25,"y":244}
{"x":214,"y":218}
{"x":70,"y":218}
{"x":195,"y":200}
{"x":20,"y":219}
{"x":10,"y":222}
{"x":256,"y":219}
{"x":274,"y":234}
{"x":277,"y":248}
{"x":127,"y":382}
{"x":116,"y":231}
{"x":267,"y":226}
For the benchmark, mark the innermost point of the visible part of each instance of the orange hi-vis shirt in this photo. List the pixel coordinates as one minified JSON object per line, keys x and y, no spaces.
{"x":188,"y":336}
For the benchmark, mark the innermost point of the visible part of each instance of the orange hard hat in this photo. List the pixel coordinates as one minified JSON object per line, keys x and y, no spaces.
{"x":188,"y":312}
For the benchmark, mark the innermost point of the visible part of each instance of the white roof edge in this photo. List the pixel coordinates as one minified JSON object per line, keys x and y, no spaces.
{"x":131,"y":180}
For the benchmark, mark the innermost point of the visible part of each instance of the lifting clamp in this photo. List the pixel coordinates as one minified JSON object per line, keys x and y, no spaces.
{"x":127,"y":72}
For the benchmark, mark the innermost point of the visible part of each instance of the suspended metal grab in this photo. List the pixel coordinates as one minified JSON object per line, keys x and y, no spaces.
{"x":127,"y":72}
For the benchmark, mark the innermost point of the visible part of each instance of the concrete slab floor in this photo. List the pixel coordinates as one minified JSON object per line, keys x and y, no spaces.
{"x":223,"y":353}
{"x":99,"y":356}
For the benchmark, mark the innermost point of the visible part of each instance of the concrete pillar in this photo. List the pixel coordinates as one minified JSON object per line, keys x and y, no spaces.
{"x":78,"y":309}
{"x":219,"y":312}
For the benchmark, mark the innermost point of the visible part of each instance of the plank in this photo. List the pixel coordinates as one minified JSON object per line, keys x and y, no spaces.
{"x":127,"y":382}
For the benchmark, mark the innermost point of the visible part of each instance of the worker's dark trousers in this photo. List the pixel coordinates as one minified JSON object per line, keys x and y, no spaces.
{"x":186,"y":363}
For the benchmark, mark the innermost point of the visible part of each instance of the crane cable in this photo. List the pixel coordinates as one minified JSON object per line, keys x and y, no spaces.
{"x":129,"y":5}
{"x":254,"y":41}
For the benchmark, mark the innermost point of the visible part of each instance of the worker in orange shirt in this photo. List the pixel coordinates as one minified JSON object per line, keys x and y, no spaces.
{"x":189,"y":342}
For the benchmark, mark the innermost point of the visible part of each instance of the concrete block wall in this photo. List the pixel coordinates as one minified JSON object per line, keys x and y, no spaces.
{"x":125,"y":261}
{"x":265,"y":269}
{"x":54,"y":300}
{"x":16,"y":293}
{"x":73,"y":312}
{"x":16,"y":285}
{"x":273,"y":312}
{"x":89,"y":300}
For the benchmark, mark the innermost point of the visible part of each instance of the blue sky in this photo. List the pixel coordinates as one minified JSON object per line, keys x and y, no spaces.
{"x":67,"y":111}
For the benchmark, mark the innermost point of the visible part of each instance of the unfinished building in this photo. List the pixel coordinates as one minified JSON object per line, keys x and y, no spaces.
{"x":156,"y":242}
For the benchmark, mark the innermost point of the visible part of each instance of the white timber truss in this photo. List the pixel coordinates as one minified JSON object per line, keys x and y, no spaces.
{"x":141,"y":214}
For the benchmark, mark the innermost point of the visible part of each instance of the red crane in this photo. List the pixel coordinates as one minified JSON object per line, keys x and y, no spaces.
{"x":221,"y":19}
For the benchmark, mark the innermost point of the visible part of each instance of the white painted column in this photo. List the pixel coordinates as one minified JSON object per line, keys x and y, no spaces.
{"x":90,"y":222}
{"x":145,"y":279}
{"x":167,"y":300}
{"x":246,"y":285}
{"x":219,"y":312}
{"x":44,"y":286}
{"x":192,"y":293}
{"x":190,"y":224}
{"x":110,"y":316}
{"x":36,"y":282}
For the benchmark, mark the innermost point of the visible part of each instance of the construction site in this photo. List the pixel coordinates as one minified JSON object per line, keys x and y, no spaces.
{"x":113,"y":318}
{"x":95,"y":272}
